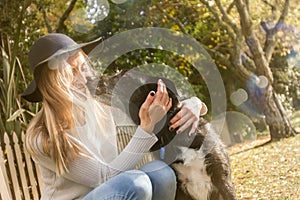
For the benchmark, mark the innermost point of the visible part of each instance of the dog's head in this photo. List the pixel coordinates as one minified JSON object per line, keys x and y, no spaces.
{"x":161,"y":129}
{"x":166,"y":137}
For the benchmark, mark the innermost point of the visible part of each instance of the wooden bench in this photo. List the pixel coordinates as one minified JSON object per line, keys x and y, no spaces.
{"x":20,"y":177}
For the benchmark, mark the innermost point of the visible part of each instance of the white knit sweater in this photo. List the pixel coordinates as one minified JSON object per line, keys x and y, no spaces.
{"x":87,"y":173}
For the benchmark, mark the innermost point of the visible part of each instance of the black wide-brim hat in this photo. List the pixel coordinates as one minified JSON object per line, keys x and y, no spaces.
{"x":46,"y":48}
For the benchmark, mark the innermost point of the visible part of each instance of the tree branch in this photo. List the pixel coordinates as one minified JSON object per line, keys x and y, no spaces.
{"x":216,"y":55}
{"x":235,"y":60}
{"x":270,"y":42}
{"x":49,"y":29}
{"x":226,"y":18}
{"x":248,"y":62}
{"x":247,"y":5}
{"x":216,"y":15}
{"x":241,"y":63}
{"x":283,"y":15}
{"x":61,"y":23}
{"x":252,"y":41}
{"x":271,"y":5}
{"x":230,"y":7}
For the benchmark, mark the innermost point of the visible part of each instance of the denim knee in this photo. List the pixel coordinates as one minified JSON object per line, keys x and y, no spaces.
{"x":163,"y":179}
{"x":129,"y":185}
{"x":139,"y":185}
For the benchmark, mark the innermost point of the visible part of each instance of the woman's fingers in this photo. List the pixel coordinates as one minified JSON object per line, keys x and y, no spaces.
{"x":165,"y":97}
{"x":186,"y":125}
{"x":161,"y":96}
{"x":144,"y":113}
{"x":181,"y":120}
{"x":169,"y":105}
{"x":155,"y":106}
{"x":177,"y":117}
{"x":189,"y":115}
{"x":149,"y":100}
{"x":160,"y":90}
{"x":184,"y":119}
{"x":193,"y":129}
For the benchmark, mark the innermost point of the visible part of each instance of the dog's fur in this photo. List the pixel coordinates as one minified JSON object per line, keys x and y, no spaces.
{"x":201,"y":162}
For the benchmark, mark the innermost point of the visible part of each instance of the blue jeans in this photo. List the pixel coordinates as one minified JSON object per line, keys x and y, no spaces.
{"x":155,"y":180}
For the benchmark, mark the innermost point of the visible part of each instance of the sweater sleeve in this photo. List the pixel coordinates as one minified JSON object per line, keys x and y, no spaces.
{"x":91,"y":171}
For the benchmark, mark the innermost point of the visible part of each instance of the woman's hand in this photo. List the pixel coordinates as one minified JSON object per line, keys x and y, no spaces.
{"x":189,"y":115}
{"x":155,"y":107}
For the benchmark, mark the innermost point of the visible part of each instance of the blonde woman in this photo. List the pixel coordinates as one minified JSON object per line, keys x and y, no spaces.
{"x":73,"y":137}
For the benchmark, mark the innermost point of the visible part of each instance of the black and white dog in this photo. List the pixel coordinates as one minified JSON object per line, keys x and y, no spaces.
{"x":200,"y":161}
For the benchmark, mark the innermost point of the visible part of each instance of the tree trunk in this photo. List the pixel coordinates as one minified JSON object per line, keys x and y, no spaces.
{"x":265,"y":97}
{"x":276,"y":117}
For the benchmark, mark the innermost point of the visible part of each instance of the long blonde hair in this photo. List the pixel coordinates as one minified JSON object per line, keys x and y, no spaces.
{"x":48,"y":127}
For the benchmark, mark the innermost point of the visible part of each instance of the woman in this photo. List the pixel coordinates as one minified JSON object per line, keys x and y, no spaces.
{"x":73,"y":138}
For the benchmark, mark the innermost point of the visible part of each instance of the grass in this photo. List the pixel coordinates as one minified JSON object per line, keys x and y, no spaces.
{"x":263,"y":170}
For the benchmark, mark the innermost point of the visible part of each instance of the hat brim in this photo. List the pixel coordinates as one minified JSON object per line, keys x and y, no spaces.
{"x":32,"y":94}
{"x":86,"y":47}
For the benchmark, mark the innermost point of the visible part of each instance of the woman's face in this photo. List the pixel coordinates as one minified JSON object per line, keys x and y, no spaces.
{"x":81,"y":70}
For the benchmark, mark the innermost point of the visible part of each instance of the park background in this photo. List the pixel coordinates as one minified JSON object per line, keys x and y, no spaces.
{"x":255,"y":45}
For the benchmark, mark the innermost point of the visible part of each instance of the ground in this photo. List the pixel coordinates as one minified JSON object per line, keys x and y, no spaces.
{"x":263,"y":170}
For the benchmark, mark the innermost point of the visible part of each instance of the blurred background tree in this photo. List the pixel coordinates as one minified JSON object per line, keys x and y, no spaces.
{"x":254,"y":47}
{"x":246,"y":42}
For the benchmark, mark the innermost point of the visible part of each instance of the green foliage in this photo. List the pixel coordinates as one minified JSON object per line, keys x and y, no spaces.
{"x":19,"y":28}
{"x":13,"y":117}
{"x":24,"y":21}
